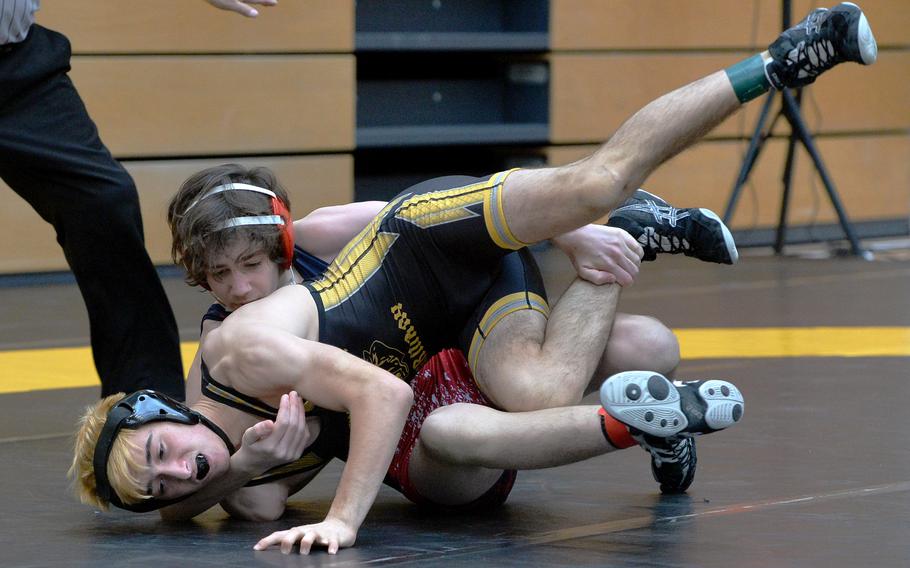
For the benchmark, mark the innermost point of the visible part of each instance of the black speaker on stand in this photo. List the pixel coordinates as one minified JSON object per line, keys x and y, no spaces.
{"x":799,"y":133}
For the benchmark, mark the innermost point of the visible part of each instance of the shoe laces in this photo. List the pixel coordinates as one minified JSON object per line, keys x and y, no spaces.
{"x":650,"y":238}
{"x":816,"y":53}
{"x":676,"y":449}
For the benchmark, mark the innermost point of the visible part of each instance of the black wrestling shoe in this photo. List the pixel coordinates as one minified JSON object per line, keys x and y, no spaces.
{"x":672,"y":461}
{"x":662,"y":228}
{"x":651,"y":404}
{"x":818,"y":43}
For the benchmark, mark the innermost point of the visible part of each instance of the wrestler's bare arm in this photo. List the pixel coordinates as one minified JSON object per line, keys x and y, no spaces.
{"x":267,"y":347}
{"x":326,"y":230}
{"x":265,"y":502}
{"x":600,"y":254}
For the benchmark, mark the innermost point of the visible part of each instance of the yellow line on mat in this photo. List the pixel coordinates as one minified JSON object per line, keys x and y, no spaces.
{"x":58,"y":368}
{"x":724,"y":343}
{"x":41,"y":369}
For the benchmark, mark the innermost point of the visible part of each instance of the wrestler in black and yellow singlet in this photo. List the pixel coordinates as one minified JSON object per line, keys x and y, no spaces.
{"x":435,"y":269}
{"x":333,"y":439}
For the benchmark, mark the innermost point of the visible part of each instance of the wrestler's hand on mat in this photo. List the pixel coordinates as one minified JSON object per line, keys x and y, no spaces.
{"x":330,"y":533}
{"x":601,"y":254}
{"x":241,"y":6}
{"x":268,"y":444}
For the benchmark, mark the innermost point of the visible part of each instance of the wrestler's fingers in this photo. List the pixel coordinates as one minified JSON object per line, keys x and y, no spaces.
{"x":287,"y":542}
{"x":257,"y":432}
{"x":270,"y":540}
{"x":595,"y":276}
{"x":298,"y":428}
{"x":281,"y":419}
{"x":294,"y":407}
{"x":292,"y":419}
{"x":306,"y":543}
{"x":630,"y":266}
{"x":634,"y":246}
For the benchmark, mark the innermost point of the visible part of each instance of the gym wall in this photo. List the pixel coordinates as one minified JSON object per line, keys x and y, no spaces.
{"x":351,"y":101}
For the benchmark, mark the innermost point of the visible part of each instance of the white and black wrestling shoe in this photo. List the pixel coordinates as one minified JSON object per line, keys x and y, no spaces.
{"x":818,"y":43}
{"x":672,"y":461}
{"x":661,"y":228}
{"x":663,"y":417}
{"x":649,"y":402}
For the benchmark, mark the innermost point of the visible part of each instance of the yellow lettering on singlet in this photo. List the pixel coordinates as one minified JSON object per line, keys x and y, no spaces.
{"x":416,"y":350}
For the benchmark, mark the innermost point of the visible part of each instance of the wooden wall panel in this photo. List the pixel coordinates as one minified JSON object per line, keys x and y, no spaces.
{"x":204,"y":105}
{"x":872,"y":175}
{"x":624,"y":24}
{"x":694,"y":24}
{"x":186,"y":26}
{"x":27,"y":243}
{"x":859,"y":98}
{"x":592,"y":94}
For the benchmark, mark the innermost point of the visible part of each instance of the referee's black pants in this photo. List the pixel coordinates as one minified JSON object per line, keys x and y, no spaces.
{"x":51,"y":155}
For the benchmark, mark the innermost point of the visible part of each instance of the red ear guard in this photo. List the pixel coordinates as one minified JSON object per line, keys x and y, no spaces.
{"x":287,"y":232}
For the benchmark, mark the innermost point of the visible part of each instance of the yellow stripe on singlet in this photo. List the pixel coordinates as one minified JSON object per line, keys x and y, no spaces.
{"x":69,"y":367}
{"x":500,"y":309}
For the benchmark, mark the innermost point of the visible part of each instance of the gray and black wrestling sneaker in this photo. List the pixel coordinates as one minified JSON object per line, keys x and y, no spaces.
{"x":818,"y":43}
{"x":650,"y":403}
{"x":673,"y":461}
{"x":662,"y":228}
{"x":663,"y":417}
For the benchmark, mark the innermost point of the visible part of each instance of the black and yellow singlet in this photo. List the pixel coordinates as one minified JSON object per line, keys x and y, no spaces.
{"x":427,"y":274}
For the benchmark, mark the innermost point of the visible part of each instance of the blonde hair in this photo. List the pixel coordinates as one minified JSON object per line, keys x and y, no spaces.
{"x":122,"y":471}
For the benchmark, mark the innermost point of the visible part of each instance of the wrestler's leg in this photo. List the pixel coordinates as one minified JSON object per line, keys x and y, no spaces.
{"x":463,"y":448}
{"x":539,"y":204}
{"x":526,"y":357}
{"x":637,"y":342}
{"x":529,"y":361}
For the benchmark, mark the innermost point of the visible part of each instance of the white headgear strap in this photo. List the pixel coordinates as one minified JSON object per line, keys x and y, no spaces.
{"x":232,"y":187}
{"x":260,"y":220}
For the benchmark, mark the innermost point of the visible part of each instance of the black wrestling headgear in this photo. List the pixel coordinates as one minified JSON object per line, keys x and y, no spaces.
{"x":133,"y":411}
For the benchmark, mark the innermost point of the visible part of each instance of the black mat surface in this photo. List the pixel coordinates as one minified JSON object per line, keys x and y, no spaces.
{"x":817,"y":473}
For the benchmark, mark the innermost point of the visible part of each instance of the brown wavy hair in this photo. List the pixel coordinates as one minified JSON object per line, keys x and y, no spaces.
{"x":196,"y":241}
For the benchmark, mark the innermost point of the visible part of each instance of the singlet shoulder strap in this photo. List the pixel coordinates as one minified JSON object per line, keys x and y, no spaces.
{"x":307,"y":462}
{"x":308,"y":265}
{"x":234,"y":398}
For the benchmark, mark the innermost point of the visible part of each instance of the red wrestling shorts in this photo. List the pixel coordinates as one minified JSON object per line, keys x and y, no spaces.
{"x":444,"y":380}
